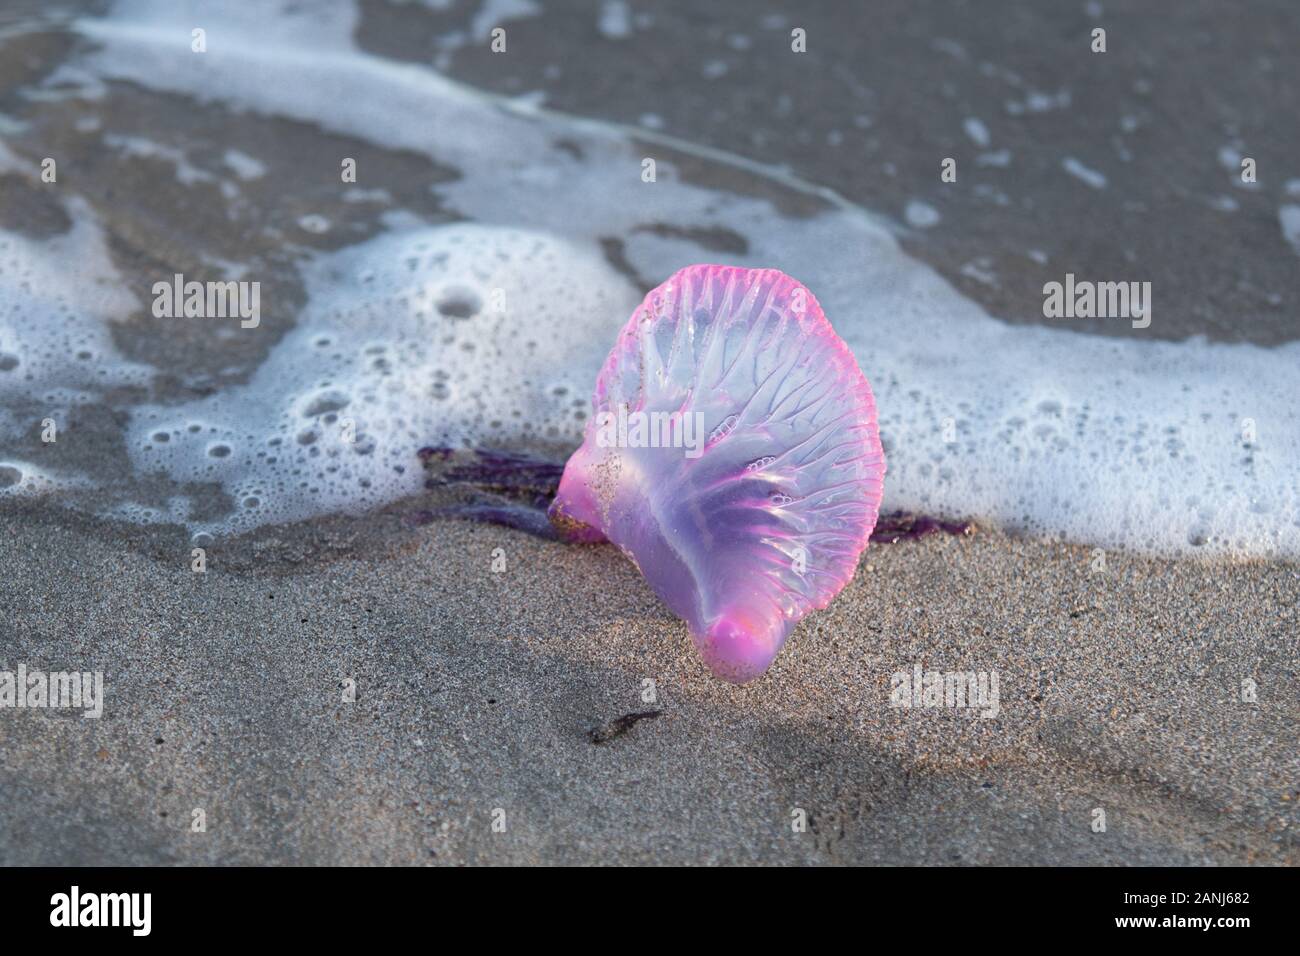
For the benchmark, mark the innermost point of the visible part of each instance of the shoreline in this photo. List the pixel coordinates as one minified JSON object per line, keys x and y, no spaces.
{"x":347,"y":678}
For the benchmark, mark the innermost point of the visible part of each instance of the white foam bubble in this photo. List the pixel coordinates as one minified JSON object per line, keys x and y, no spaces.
{"x":57,"y":299}
{"x":137,"y":146}
{"x":977,"y":131}
{"x":1289,"y":218}
{"x":496,"y":13}
{"x":921,"y":215}
{"x":244,"y":166}
{"x":24,"y":479}
{"x":443,"y":335}
{"x":615,"y":21}
{"x":1083,"y":173}
{"x":1036,"y":101}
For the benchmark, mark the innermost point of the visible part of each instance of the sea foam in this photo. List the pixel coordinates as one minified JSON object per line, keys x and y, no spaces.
{"x":1186,"y":447}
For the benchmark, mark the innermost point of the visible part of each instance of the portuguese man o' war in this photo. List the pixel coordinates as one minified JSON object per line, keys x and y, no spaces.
{"x":733,"y":455}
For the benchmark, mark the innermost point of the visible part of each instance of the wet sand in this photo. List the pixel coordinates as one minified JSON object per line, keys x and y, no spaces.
{"x":1182,"y":93}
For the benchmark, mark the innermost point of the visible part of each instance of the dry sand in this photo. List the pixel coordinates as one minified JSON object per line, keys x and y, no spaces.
{"x":478,"y":690}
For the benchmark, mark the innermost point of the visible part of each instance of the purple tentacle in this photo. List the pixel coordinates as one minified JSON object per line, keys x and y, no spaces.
{"x":520,"y":488}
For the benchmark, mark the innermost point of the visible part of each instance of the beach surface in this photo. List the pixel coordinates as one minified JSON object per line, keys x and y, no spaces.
{"x":481,"y":691}
{"x":363,"y":688}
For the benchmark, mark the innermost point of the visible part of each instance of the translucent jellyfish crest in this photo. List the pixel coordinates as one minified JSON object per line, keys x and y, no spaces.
{"x":733,"y":454}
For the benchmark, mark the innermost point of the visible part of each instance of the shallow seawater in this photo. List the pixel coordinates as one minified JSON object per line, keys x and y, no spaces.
{"x":464,"y":285}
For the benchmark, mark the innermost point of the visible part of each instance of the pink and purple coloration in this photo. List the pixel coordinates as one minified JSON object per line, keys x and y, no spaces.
{"x":762,"y":518}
